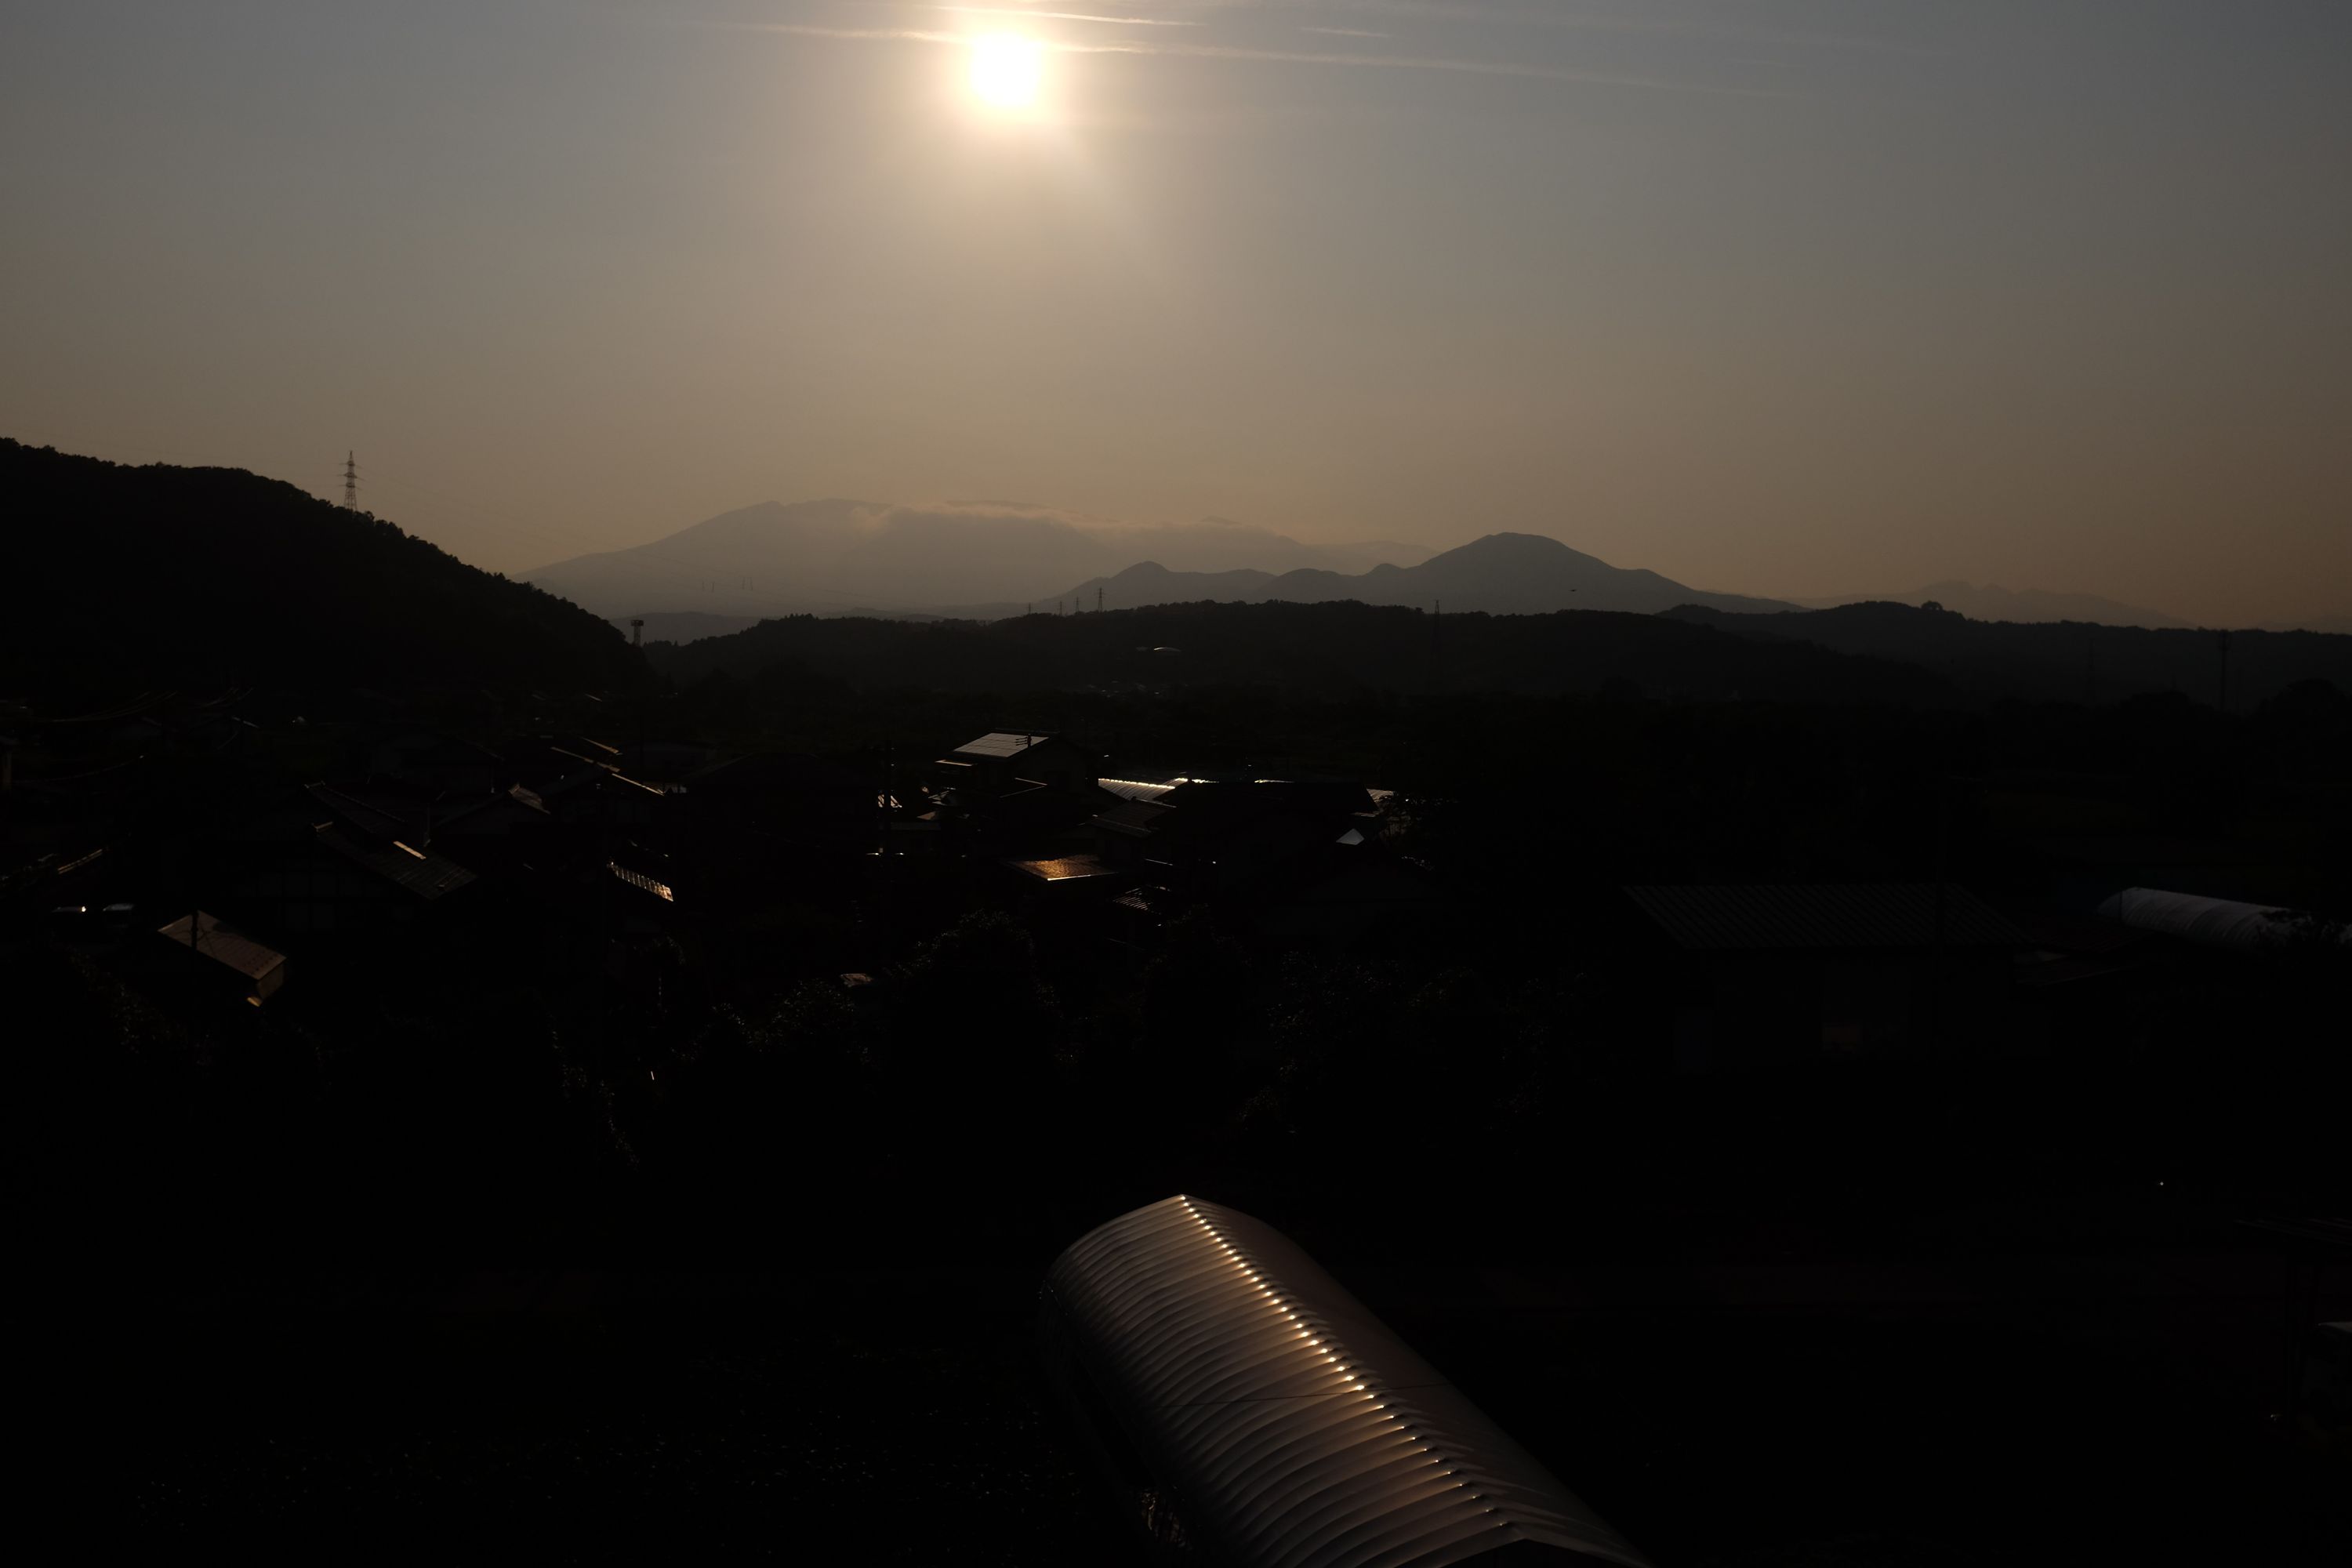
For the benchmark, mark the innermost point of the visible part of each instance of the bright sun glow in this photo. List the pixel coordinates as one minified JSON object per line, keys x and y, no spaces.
{"x":1005,"y":69}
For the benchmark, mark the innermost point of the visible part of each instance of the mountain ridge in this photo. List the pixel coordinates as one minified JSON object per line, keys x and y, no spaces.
{"x":841,"y":554}
{"x":1498,"y":574}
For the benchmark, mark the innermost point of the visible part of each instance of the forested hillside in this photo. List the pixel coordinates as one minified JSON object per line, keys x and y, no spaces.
{"x":161,"y":576}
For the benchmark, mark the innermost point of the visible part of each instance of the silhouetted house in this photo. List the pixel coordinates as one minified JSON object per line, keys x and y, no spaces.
{"x":1004,"y":763}
{"x":428,"y":761}
{"x":418,"y":873}
{"x":1124,"y":834}
{"x":1247,"y":1410}
{"x":329,"y":879}
{"x":218,"y":959}
{"x":594,"y":792}
{"x":780,"y":825}
{"x":1210,"y":838}
{"x":789,"y":798}
{"x":1346,"y":892}
{"x":1757,"y":973}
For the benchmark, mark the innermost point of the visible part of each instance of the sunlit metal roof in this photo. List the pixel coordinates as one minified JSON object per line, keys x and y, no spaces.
{"x":1000,"y":743}
{"x":1063,"y":869}
{"x":643,"y":883}
{"x":1288,"y":1424}
{"x":1138,"y":789}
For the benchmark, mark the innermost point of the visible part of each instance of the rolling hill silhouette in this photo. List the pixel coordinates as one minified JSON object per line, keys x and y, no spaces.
{"x":1329,"y":650}
{"x":159,"y":576}
{"x":1990,"y":602}
{"x":2069,"y":662}
{"x":1503,"y":573}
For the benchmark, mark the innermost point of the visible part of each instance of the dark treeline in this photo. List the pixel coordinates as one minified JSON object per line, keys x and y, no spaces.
{"x":2061,"y":661}
{"x":161,"y":576}
{"x":1325,"y":651}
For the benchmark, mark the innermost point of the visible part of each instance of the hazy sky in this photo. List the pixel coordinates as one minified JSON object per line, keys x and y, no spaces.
{"x":1781,"y":297}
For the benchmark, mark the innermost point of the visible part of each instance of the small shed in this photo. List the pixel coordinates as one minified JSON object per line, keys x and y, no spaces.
{"x":1013,"y":762}
{"x":233,"y":960}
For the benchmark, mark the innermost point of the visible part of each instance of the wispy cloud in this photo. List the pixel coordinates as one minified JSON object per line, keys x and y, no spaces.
{"x":1347,"y":32}
{"x":1421,"y":62}
{"x":1685,"y":28}
{"x":1025,"y":13}
{"x":1249,"y":53}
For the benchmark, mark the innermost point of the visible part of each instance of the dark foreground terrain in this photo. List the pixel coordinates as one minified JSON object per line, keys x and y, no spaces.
{"x":627,"y":1104}
{"x":2013,"y":1410}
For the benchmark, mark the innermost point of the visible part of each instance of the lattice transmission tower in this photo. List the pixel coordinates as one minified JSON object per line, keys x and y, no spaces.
{"x":350,"y":482}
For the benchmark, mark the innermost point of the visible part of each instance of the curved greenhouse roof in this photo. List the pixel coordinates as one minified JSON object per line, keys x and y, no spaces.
{"x":1284,"y":1423}
{"x":2209,"y":922}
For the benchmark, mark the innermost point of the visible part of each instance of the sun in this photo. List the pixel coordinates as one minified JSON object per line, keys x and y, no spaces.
{"x":1006,"y":69}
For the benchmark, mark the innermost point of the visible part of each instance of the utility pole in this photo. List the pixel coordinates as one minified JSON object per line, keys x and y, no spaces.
{"x":350,"y":482}
{"x":1098,"y":598}
{"x":1943,"y":903}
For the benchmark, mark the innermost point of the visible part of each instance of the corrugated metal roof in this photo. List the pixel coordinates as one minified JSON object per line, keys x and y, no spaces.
{"x":2209,"y":922}
{"x":1000,"y":743}
{"x":1783,"y":916}
{"x":420,"y":871}
{"x":1138,"y":789}
{"x":639,"y":880}
{"x":1288,"y":1425}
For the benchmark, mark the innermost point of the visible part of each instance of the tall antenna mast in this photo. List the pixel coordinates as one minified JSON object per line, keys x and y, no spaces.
{"x":350,"y":482}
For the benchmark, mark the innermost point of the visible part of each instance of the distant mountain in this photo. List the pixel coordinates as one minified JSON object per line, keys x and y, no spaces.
{"x":1989,"y":602}
{"x":162,"y":576}
{"x":1503,"y":573}
{"x":833,"y":557}
{"x":2070,"y":661}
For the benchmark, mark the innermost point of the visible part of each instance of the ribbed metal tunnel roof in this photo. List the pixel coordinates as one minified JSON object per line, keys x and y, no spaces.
{"x":1289,"y":1424}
